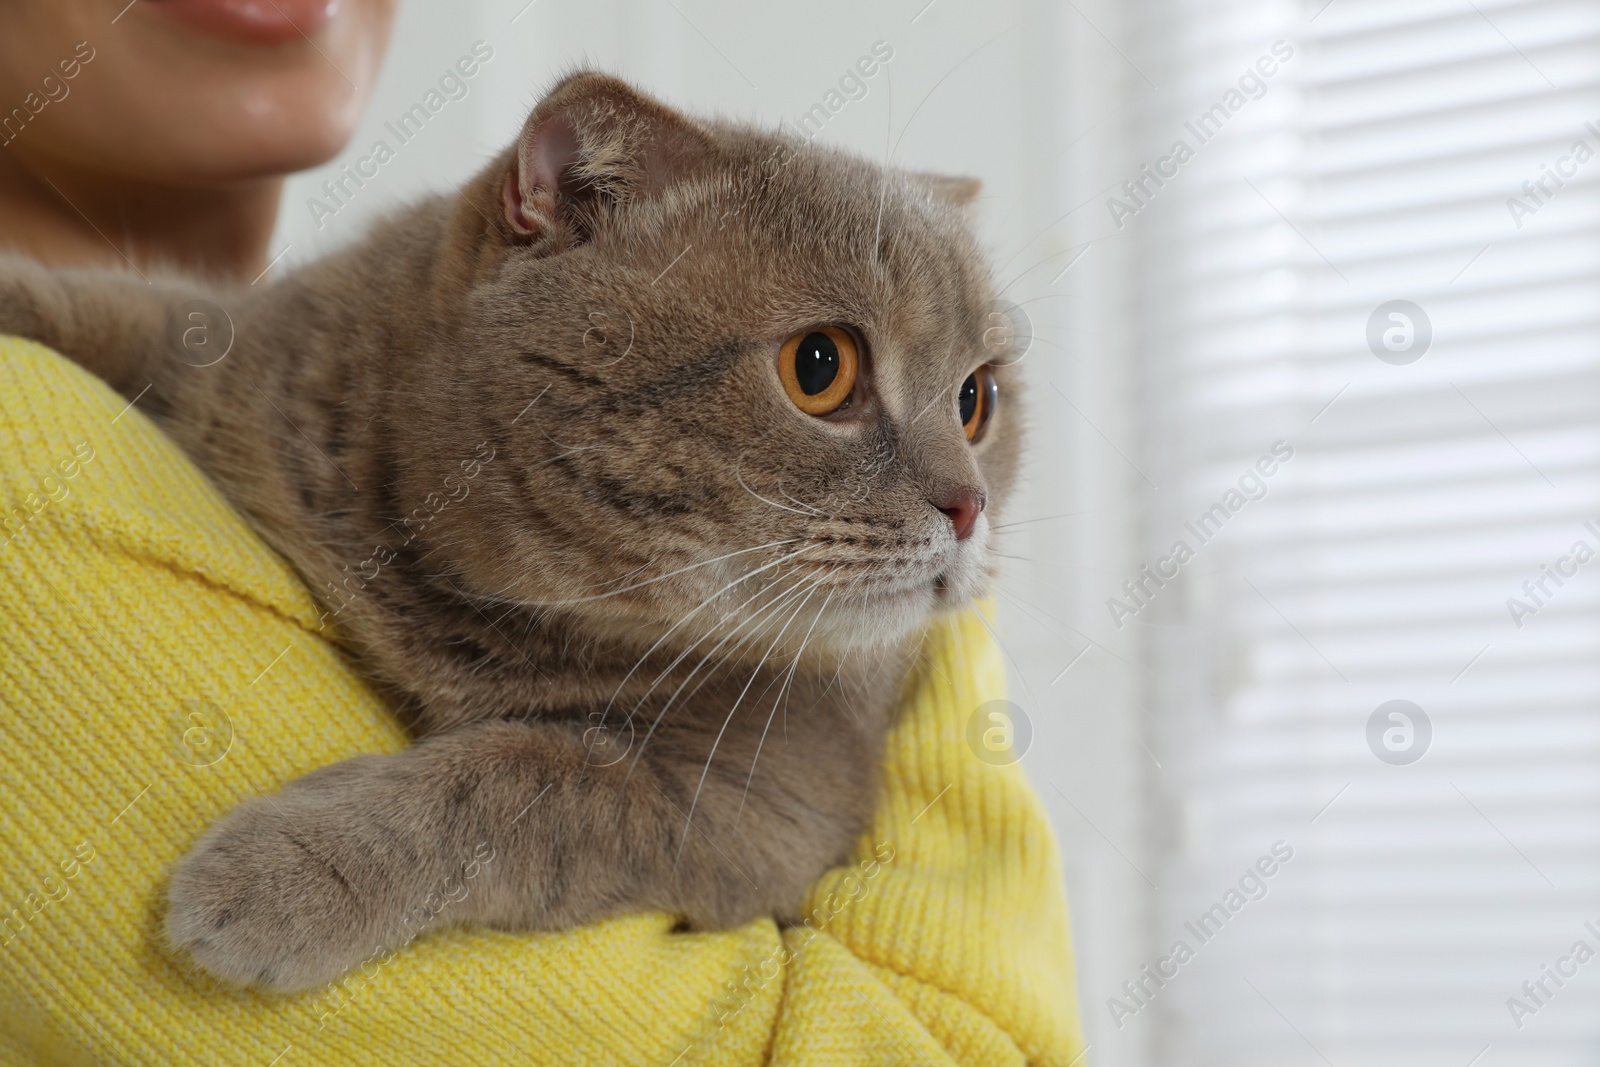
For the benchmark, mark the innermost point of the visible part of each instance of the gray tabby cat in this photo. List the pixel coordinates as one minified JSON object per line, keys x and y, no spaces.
{"x":631,"y":474}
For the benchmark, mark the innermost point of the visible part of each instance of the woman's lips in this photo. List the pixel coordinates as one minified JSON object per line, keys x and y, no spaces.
{"x":253,"y":21}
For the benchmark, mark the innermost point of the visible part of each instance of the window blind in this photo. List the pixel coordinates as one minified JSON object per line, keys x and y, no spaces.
{"x":1370,"y":364}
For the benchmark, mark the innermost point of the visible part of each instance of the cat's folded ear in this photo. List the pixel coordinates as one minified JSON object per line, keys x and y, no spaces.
{"x":593,"y":141}
{"x":951,"y":189}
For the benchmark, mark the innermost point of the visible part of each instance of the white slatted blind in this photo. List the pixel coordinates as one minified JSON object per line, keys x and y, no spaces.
{"x":1376,"y":167}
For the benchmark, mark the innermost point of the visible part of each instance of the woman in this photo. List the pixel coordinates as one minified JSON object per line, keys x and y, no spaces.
{"x":158,"y":665}
{"x":159,"y":131}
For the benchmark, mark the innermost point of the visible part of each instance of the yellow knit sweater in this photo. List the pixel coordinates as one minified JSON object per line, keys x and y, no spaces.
{"x":158,"y":665}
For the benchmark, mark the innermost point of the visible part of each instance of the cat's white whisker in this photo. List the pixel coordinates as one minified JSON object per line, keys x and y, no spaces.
{"x":683,"y":655}
{"x":738,"y":474}
{"x":688,"y":819}
{"x":691,"y":614}
{"x":750,"y":623}
{"x":788,"y":678}
{"x":798,"y":587}
{"x":770,"y":503}
{"x":930,"y":405}
{"x":570,"y":448}
{"x":811,"y":508}
{"x":997,"y":527}
{"x":658,"y":578}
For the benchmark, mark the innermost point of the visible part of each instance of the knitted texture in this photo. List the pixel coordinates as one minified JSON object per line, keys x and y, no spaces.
{"x":159,"y":664}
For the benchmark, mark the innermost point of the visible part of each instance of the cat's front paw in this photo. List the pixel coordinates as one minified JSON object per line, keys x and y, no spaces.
{"x":267,"y":899}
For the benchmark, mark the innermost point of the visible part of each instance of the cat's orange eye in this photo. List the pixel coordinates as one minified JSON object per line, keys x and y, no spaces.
{"x":976,"y":402}
{"x":819,"y":369}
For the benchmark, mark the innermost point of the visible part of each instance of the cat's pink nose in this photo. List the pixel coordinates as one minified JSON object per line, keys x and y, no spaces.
{"x":963,"y":506}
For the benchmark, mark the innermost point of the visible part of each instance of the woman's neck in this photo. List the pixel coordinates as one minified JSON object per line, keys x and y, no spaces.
{"x":66,"y":216}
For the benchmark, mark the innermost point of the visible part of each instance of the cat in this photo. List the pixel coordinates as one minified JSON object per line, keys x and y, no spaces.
{"x":631,"y":474}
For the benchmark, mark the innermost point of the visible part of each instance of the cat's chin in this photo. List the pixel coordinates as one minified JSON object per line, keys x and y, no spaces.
{"x":889,"y":618}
